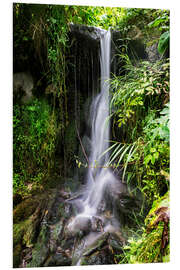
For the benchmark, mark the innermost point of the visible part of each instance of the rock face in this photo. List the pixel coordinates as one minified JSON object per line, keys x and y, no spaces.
{"x":152,"y":52}
{"x":23,"y":85}
{"x":89,"y":32}
{"x":39,"y":228}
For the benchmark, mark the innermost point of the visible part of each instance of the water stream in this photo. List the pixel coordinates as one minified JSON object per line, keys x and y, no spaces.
{"x":99,"y":176}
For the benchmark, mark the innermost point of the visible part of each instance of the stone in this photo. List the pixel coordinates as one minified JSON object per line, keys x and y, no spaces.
{"x":80,"y":224}
{"x":152,"y":52}
{"x":23,"y":85}
{"x":89,"y":32}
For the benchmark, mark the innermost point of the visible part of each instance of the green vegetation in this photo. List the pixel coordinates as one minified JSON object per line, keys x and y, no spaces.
{"x":44,"y":131}
{"x":153,"y":244}
{"x":141,"y":109}
{"x":34,"y":137}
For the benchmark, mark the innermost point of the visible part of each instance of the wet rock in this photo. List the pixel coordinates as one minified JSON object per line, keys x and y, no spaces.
{"x":38,"y":225}
{"x":98,"y":252}
{"x":89,"y":32}
{"x":56,"y":231}
{"x":86,"y":248}
{"x":23,"y":85}
{"x":98,"y":258}
{"x":80,"y":224}
{"x":59,"y":259}
{"x":97,"y":224}
{"x":97,"y":244}
{"x":78,"y":249}
{"x":44,"y":238}
{"x":116,"y":241}
{"x":152,"y":52}
{"x":64,"y":194}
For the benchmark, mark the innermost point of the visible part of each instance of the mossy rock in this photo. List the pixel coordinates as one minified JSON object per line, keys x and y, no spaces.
{"x":40,"y":250}
{"x":16,"y":255}
{"x":100,"y":257}
{"x":23,"y":235}
{"x":59,"y":259}
{"x":39,"y":255}
{"x":25,"y":209}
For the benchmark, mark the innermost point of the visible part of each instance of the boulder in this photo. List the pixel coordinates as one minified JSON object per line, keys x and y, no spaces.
{"x":23,"y":85}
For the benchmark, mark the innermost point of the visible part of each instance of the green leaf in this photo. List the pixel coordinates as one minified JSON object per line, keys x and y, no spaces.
{"x":147,"y":159}
{"x":25,"y":38}
{"x":53,"y":20}
{"x":156,"y":155}
{"x":163,"y":42}
{"x":130,"y":154}
{"x":152,"y":160}
{"x":31,"y":108}
{"x":152,"y":150}
{"x":166,"y":258}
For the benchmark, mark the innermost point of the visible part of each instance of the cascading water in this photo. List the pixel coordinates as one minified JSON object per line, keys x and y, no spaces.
{"x":99,"y":176}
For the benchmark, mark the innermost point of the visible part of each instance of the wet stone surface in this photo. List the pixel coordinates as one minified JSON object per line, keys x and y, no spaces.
{"x":42,"y":236}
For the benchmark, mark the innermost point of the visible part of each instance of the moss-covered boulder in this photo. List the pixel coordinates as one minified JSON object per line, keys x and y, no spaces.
{"x":38,"y":228}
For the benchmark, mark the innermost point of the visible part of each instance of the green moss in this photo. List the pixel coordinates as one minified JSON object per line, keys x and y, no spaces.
{"x":16,"y":255}
{"x":39,"y":254}
{"x":18,"y":232}
{"x":25,"y":209}
{"x":23,"y":233}
{"x":40,"y":250}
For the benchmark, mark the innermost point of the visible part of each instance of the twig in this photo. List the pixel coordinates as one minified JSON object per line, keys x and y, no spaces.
{"x":84,"y":152}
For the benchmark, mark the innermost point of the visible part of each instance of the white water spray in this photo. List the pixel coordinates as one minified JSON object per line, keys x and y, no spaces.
{"x":98,"y":175}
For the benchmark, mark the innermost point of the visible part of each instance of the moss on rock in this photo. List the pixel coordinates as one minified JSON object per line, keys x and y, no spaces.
{"x":25,"y":209}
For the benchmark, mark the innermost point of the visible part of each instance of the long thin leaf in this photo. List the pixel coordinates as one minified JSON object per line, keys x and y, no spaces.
{"x":108,"y":149}
{"x":116,"y":152}
{"x":124,"y":152}
{"x":131,"y":152}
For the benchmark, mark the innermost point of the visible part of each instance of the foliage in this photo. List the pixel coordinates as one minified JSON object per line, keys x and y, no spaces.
{"x":140,"y":111}
{"x":139,"y":107}
{"x":103,"y":17}
{"x":33,"y":144}
{"x":149,"y":22}
{"x":152,"y":245}
{"x":163,"y":42}
{"x":161,"y":21}
{"x":144,"y":84}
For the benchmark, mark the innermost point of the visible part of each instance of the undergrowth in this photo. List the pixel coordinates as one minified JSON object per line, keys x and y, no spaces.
{"x":34,"y":137}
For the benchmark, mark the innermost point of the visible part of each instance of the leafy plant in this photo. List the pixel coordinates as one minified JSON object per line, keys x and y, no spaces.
{"x":152,"y":244}
{"x":34,"y":136}
{"x":163,"y":42}
{"x":133,"y":91}
{"x":139,"y":110}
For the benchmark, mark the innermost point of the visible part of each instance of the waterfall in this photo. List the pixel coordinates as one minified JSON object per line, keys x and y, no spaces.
{"x":99,"y":176}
